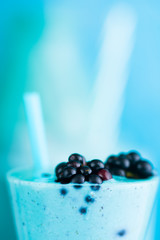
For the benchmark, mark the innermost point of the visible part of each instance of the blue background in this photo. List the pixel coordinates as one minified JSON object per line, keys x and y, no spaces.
{"x":23,"y":24}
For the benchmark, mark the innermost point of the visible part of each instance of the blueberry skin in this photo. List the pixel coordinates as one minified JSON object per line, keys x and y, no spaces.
{"x":144,"y":168}
{"x":74,"y":163}
{"x":63,"y":191}
{"x":77,"y":156}
{"x":104,"y":174}
{"x":64,"y":180}
{"x":118,"y":172}
{"x":121,"y":162}
{"x":85,"y":170}
{"x":93,"y":178}
{"x":83,"y":210}
{"x":121,"y":233}
{"x":95,"y":187}
{"x":78,"y":178}
{"x":89,"y":199}
{"x":96,"y":164}
{"x":122,"y":155}
{"x":60,"y":167}
{"x":133,"y":156}
{"x":68,"y":172}
{"x":110,"y":159}
{"x":107,"y":166}
{"x":125,"y":163}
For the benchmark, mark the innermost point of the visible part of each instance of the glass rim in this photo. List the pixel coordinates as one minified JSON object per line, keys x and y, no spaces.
{"x":119,"y":180}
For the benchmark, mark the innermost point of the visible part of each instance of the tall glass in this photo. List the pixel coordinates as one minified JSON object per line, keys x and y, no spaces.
{"x":117,"y":209}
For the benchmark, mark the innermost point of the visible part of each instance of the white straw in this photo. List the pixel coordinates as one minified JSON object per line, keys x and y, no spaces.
{"x":36,"y":131}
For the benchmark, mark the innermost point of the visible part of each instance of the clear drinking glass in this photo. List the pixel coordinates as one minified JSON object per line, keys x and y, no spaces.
{"x":118,"y":209}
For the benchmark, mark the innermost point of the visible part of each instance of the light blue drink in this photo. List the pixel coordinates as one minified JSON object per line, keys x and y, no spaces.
{"x":43,"y":209}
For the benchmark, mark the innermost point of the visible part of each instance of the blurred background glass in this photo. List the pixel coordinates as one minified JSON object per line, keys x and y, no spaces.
{"x":96,"y":67}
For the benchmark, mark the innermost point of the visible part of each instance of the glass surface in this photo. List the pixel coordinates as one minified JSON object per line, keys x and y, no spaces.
{"x":119,"y":209}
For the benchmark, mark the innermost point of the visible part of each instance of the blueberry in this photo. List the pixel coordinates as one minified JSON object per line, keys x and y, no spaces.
{"x":93,"y":178}
{"x":85,"y":170}
{"x":77,"y":186}
{"x":121,"y":162}
{"x":89,"y":199}
{"x":83,"y":210}
{"x":68,"y":172}
{"x":133,"y":157}
{"x":74,"y":163}
{"x":75,"y":157}
{"x":60,"y":168}
{"x":118,"y":172}
{"x":107,"y":166}
{"x":64,"y":180}
{"x":96,"y":164}
{"x":110,"y":159}
{"x":63,"y":191}
{"x":121,"y":233}
{"x":95,"y":187}
{"x":59,"y":177}
{"x":104,"y":174}
{"x":124,"y":163}
{"x":144,"y":168}
{"x":79,"y":178}
{"x":122,"y":155}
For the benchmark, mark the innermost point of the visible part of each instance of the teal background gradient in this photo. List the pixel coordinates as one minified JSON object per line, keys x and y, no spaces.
{"x":32,"y":35}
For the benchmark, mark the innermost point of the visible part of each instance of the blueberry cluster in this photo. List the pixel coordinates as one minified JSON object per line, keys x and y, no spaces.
{"x":130,"y":165}
{"x":77,"y":170}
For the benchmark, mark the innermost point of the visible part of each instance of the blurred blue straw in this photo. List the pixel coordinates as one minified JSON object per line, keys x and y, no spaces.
{"x":36,"y":131}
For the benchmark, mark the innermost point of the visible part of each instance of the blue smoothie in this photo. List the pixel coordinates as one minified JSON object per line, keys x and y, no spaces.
{"x":44,"y":209}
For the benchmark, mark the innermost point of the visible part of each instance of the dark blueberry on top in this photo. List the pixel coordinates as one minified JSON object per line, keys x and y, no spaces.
{"x":144,"y":168}
{"x":60,"y":168}
{"x":74,"y":163}
{"x":107,"y":166}
{"x":121,"y":233}
{"x":121,"y":162}
{"x":75,"y":157}
{"x":93,"y":178}
{"x":85,"y":170}
{"x":125,"y":163}
{"x":64,"y":180}
{"x":83,"y":210}
{"x":104,"y":174}
{"x":118,"y":172}
{"x":122,"y":155}
{"x":133,"y":157}
{"x":78,"y":178}
{"x":89,"y":199}
{"x":96,"y":164}
{"x":68,"y":172}
{"x":63,"y":191}
{"x":110,"y":159}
